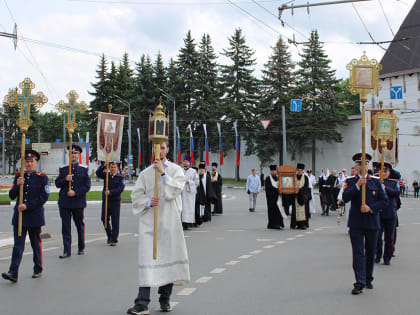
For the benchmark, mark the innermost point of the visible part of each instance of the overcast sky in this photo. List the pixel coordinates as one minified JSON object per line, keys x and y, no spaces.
{"x":146,"y":26}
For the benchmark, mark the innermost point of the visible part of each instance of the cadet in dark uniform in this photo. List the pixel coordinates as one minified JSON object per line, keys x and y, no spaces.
{"x":35,"y":194}
{"x":73,"y":202}
{"x":363,"y":222}
{"x":387,"y":215}
{"x":115,"y":188}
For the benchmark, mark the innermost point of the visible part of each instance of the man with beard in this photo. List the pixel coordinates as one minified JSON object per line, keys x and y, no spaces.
{"x":188,"y":194}
{"x":204,"y":197}
{"x":275,"y":220}
{"x":300,"y":210}
{"x":217,"y":183}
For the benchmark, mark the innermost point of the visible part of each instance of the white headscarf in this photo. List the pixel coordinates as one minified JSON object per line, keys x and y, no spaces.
{"x":325,"y":177}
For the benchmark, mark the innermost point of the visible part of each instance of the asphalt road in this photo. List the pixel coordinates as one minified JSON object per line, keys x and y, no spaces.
{"x":237,"y":267}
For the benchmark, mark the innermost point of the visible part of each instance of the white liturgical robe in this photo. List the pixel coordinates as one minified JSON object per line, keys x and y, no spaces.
{"x":188,"y":196}
{"x":171,"y":264}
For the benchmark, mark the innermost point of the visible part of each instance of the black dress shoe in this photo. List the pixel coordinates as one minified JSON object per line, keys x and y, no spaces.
{"x":65,"y":255}
{"x":9,"y":277}
{"x":37,"y":274}
{"x":109,"y":240}
{"x":113,"y":243}
{"x":386,"y":262}
{"x":378,"y":260}
{"x":138,"y":309}
{"x":357,"y":290}
{"x":165,"y":306}
{"x":369,"y":285}
{"x":81,"y":252}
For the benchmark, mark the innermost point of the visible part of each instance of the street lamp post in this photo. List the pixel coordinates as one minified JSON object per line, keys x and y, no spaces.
{"x":173,"y":100}
{"x":130,"y":156}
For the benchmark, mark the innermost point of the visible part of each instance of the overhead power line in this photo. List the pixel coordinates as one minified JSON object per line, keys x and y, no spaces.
{"x":166,"y":3}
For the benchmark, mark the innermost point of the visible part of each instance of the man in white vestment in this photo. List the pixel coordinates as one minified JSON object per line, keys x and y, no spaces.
{"x":171,"y":264}
{"x":189,"y":193}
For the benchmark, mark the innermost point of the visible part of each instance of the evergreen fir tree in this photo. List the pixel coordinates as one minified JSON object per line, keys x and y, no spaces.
{"x":317,"y":87}
{"x":276,"y":82}
{"x":240,"y":89}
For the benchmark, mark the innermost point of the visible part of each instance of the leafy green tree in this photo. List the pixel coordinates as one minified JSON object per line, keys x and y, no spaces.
{"x":317,"y":87}
{"x":240,"y":89}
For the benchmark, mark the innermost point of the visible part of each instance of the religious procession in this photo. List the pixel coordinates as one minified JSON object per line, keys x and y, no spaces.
{"x":280,"y":194}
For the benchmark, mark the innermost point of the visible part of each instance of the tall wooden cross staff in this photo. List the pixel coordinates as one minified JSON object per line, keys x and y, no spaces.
{"x":71,"y":108}
{"x":364,"y":76}
{"x":25,"y":100}
{"x":158,"y":133}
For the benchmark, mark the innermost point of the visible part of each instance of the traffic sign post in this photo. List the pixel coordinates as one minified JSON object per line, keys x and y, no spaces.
{"x":265,"y":123}
{"x":295,"y":105}
{"x":396,"y":92}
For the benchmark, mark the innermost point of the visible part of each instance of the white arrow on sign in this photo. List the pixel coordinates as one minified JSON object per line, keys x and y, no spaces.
{"x":265,"y":123}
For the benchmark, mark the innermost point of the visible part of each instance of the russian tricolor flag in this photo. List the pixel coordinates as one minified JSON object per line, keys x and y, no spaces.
{"x":191,"y":145}
{"x":235,"y":125}
{"x":179,"y":147}
{"x":87,"y":148}
{"x":219,"y":129}
{"x":207,"y":144}
{"x":138,"y":134}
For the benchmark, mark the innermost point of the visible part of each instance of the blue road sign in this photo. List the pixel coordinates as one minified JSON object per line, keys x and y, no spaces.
{"x":57,"y":141}
{"x":81,"y":140}
{"x":27,"y":141}
{"x":130,"y":159}
{"x":0,"y":139}
{"x":396,"y":92}
{"x":295,"y":105}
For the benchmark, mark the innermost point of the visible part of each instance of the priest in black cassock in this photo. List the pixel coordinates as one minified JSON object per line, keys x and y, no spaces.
{"x":217,"y":183}
{"x":205,"y":196}
{"x":275,"y":220}
{"x":300,"y":212}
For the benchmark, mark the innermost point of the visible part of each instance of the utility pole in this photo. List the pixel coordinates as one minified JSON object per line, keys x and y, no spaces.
{"x":3,"y":149}
{"x":64,"y":139}
{"x":283,"y":118}
{"x":173,"y":101}
{"x":130,"y":156}
{"x":308,"y":5}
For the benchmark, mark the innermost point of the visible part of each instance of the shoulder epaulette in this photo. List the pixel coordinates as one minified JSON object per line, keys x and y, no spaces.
{"x":40,"y":174}
{"x":121,"y":175}
{"x":83,"y":165}
{"x":62,"y":166}
{"x":350,"y":177}
{"x":17,"y":174}
{"x":375,"y":177}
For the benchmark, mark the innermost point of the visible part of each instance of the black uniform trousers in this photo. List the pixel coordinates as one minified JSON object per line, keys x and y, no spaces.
{"x":143,"y":297}
{"x":78,"y":216}
{"x":387,"y":228}
{"x":363,"y":243}
{"x":113,"y":220}
{"x":19,"y":247}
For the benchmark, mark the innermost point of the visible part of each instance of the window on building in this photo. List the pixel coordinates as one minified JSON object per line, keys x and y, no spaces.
{"x":404,"y":105}
{"x":418,"y":104}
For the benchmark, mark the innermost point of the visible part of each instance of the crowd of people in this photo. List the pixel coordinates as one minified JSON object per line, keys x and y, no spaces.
{"x":188,"y":197}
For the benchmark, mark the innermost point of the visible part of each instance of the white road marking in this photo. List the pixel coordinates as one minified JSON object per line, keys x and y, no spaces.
{"x":244,"y":256}
{"x":280,"y":242}
{"x":318,"y":229}
{"x":203,"y":279}
{"x":186,"y":291}
{"x":218,"y":270}
{"x":199,"y":231}
{"x":269,"y":246}
{"x":264,"y":239}
{"x":6,"y":258}
{"x":173,"y":304}
{"x":256,"y":252}
{"x":235,"y":230}
{"x":6,"y":241}
{"x":290,"y":239}
{"x":309,"y":232}
{"x":232,"y":262}
{"x":96,"y":239}
{"x":136,"y":235}
{"x":416,"y":223}
{"x":49,"y":248}
{"x":300,"y":235}
{"x":187,"y":236}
